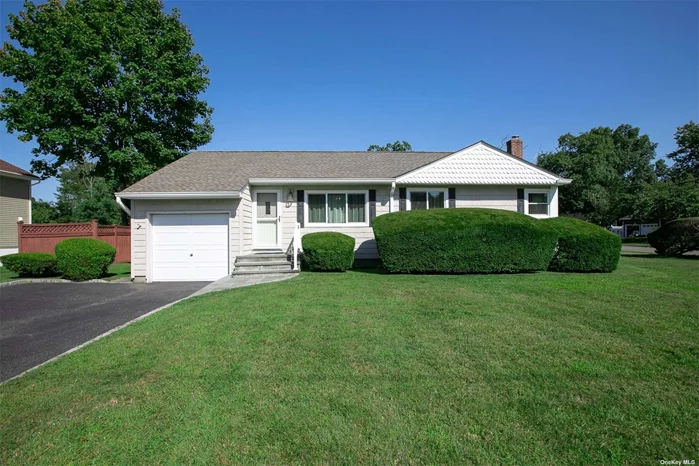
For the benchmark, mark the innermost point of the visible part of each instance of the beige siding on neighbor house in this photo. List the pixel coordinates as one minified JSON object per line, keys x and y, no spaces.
{"x":15,"y":195}
{"x":141,"y":210}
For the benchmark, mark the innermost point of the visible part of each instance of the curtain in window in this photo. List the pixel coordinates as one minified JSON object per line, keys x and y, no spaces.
{"x":336,"y":208}
{"x":538,"y":204}
{"x":316,"y":208}
{"x":436,"y":199}
{"x":355,"y":206}
{"x":418,"y":200}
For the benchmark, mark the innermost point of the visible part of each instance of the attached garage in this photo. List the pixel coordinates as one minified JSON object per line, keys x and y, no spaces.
{"x":189,"y":247}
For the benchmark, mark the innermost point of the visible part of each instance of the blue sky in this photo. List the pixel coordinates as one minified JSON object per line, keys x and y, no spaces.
{"x":441,"y":75}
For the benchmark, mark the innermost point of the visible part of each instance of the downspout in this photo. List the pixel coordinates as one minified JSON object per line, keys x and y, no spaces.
{"x":123,"y":206}
{"x":390,"y":200}
{"x":31,"y":185}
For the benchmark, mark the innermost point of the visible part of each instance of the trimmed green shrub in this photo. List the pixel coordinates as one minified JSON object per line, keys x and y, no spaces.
{"x":463,"y":241}
{"x":81,"y":259}
{"x":676,"y":237}
{"x":31,"y":264}
{"x":583,"y":246}
{"x":328,"y":251}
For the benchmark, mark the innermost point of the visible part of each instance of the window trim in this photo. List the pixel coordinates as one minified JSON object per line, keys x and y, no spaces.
{"x":527,"y":192}
{"x":308,"y":223}
{"x":408,"y":202}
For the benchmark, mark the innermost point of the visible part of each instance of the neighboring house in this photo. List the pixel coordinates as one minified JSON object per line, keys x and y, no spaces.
{"x":15,"y":203}
{"x":627,"y":226}
{"x":194,"y":217}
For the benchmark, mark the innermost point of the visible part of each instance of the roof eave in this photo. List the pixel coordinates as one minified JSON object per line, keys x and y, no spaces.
{"x":318,"y":181}
{"x":180,"y":195}
{"x":19,"y":175}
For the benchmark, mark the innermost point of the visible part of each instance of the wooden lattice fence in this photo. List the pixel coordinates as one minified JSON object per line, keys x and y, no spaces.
{"x":43,"y":237}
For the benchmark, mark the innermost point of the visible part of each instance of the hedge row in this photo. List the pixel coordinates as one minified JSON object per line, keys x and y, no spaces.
{"x":491,"y":241}
{"x":463,"y":241}
{"x":31,"y":264}
{"x":328,"y":251}
{"x":582,"y":246}
{"x":676,"y":237}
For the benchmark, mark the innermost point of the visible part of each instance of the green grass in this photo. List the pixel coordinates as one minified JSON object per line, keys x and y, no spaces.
{"x":115,"y":271}
{"x":545,"y":368}
{"x":7,"y":275}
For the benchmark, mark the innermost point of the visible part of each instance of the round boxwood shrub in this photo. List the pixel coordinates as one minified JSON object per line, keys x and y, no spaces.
{"x":676,"y":237}
{"x":328,"y":251}
{"x":582,"y":246}
{"x":31,"y":264}
{"x":463,"y":241}
{"x":81,"y":259}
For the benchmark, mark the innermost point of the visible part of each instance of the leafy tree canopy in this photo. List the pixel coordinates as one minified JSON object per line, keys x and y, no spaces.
{"x":676,"y":193}
{"x":608,"y":168}
{"x":686,"y":157}
{"x":114,"y":82}
{"x":81,"y":197}
{"x":398,"y":146}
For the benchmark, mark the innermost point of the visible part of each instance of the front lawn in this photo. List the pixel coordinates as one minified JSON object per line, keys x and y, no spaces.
{"x":545,"y":368}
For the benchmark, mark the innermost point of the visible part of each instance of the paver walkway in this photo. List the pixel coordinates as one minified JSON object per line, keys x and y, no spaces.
{"x":236,"y":281}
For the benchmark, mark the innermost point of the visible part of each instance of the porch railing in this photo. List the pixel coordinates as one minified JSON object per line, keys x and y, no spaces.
{"x":297,"y":245}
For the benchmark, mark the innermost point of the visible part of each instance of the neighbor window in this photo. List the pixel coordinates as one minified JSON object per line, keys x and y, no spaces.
{"x":337,"y":207}
{"x":421,"y":200}
{"x":538,"y":203}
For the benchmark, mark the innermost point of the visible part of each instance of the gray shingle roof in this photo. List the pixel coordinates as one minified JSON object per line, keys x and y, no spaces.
{"x":215,"y":171}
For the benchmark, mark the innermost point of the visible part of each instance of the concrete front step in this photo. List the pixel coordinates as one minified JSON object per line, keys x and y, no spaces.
{"x":248,"y":263}
{"x":262,"y":272}
{"x":266,"y":257}
{"x":263,"y":266}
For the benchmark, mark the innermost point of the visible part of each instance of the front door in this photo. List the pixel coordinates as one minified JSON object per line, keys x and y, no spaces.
{"x":267,"y":231}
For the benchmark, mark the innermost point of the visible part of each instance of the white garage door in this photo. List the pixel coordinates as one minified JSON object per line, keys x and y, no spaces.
{"x":190,"y":247}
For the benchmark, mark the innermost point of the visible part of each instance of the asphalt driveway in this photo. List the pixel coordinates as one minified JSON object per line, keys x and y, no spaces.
{"x":41,"y":320}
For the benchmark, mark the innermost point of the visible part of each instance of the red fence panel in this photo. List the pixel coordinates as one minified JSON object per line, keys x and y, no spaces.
{"x":38,"y":237}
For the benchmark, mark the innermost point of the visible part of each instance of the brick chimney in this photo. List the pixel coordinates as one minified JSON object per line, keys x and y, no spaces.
{"x":515,"y":146}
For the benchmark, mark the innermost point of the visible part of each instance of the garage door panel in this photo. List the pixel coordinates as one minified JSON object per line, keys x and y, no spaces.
{"x":171,"y":220}
{"x":190,"y":247}
{"x":210,"y":220}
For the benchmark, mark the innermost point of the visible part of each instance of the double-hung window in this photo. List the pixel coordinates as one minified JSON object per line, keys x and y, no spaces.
{"x":421,"y":199}
{"x":538,"y":203}
{"x":337,"y":207}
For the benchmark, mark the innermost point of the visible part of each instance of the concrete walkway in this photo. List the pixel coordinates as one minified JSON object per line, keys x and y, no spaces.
{"x":237,"y":281}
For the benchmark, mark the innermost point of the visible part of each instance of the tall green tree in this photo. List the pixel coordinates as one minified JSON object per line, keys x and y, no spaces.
{"x":398,"y":146}
{"x":113,"y":82}
{"x":44,"y":211}
{"x":686,"y":157}
{"x":676,"y":192}
{"x":83,"y":196}
{"x":608,"y":168}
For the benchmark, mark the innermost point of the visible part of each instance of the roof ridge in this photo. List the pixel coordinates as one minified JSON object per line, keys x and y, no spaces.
{"x":333,"y":151}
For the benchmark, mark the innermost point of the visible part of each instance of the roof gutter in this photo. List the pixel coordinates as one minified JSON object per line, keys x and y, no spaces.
{"x":319,"y":181}
{"x":181,"y":195}
{"x":123,"y":206}
{"x":19,"y":175}
{"x":563,"y":181}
